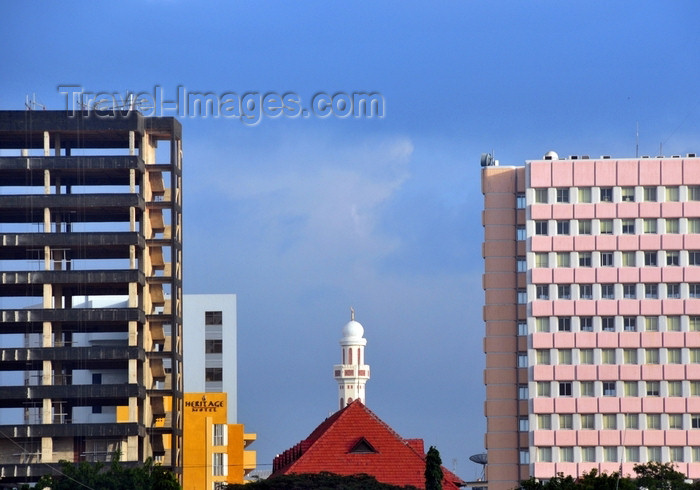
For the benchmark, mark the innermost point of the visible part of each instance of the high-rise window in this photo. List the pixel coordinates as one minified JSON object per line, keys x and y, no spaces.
{"x":587,"y":421}
{"x":629,"y":259}
{"x":587,"y":388}
{"x":566,"y":454}
{"x":628,"y":226}
{"x":631,"y":421}
{"x":586,"y":323}
{"x":651,"y":324}
{"x":629,"y":291}
{"x":584,"y":227}
{"x":565,"y":356}
{"x":544,"y":454}
{"x":607,"y":356}
{"x":544,"y":388}
{"x":219,"y":433}
{"x":606,"y":226}
{"x":609,"y":421}
{"x":694,"y":290}
{"x":675,"y":453}
{"x":213,"y":374}
{"x":650,"y":194}
{"x":521,"y":264}
{"x":584,"y":259}
{"x":673,"y":290}
{"x":588,"y":454}
{"x":565,"y":388}
{"x":693,"y":225}
{"x":608,"y":323}
{"x":541,"y":196}
{"x":541,"y":227}
{"x":585,"y":356}
{"x":694,"y":323}
{"x":694,"y":257}
{"x":609,"y":388}
{"x":520,"y":201}
{"x":629,"y":356}
{"x":627,"y":194}
{"x":585,"y":291}
{"x":693,"y":193}
{"x":563,"y":259}
{"x":651,"y":291}
{"x":542,"y":291}
{"x":631,"y":388}
{"x":673,"y":323}
{"x":564,"y":323}
{"x":562,"y":227}
{"x":543,"y":356}
{"x":606,"y":194}
{"x":653,"y":421}
{"x":606,"y":259}
{"x":672,"y":225}
{"x":541,"y":259}
{"x":654,"y":453}
{"x":562,"y":195}
{"x":629,"y":323}
{"x":523,"y":424}
{"x":213,"y":318}
{"x":564,"y":291}
{"x":520,"y":233}
{"x":219,"y":464}
{"x":566,"y":421}
{"x":584,"y":194}
{"x":672,"y":257}
{"x":653,"y":389}
{"x":651,"y":356}
{"x":610,"y":454}
{"x":674,"y":388}
{"x":213,"y":346}
{"x":544,"y":421}
{"x":607,"y":291}
{"x":650,"y":258}
{"x":672,"y":194}
{"x":631,"y":454}
{"x":650,"y":225}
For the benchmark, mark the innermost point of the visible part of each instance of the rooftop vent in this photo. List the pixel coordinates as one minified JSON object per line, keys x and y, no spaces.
{"x":675,"y":156}
{"x":691,"y":155}
{"x":585,"y":157}
{"x":645,"y":156}
{"x":605,"y":157}
{"x":551,"y":155}
{"x":573,"y":157}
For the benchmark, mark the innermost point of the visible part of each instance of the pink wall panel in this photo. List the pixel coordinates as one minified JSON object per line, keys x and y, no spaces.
{"x":649,"y":242}
{"x":542,"y":340}
{"x":628,"y":274}
{"x":674,"y":405}
{"x":630,"y":405}
{"x":694,"y":438}
{"x":625,"y":242}
{"x":540,"y":211}
{"x":583,"y":306}
{"x":692,"y":371}
{"x":651,"y":339}
{"x":584,"y":275}
{"x":691,"y":208}
{"x":673,"y":339}
{"x":587,"y":405}
{"x":609,"y":437}
{"x":605,"y":210}
{"x":672,"y":242}
{"x":542,"y":373}
{"x":609,"y":404}
{"x":676,"y":437}
{"x":671,"y":209}
{"x":691,"y":274}
{"x":628,"y":306}
{"x":630,"y":339}
{"x":693,"y":406}
{"x":650,"y":274}
{"x":691,"y":242}
{"x":564,"y":373}
{"x":632,"y":438}
{"x":649,"y":209}
{"x":587,"y":437}
{"x":674,"y":371}
{"x":651,"y":307}
{"x":671,"y":171}
{"x":542,"y":405}
{"x":691,"y":171}
{"x":542,"y":308}
{"x":605,"y":172}
{"x":608,"y":372}
{"x":606,"y":307}
{"x":563,"y":174}
{"x":652,"y":404}
{"x":563,"y":211}
{"x":608,"y":339}
{"x":543,"y":470}
{"x":562,"y":243}
{"x":606,"y":274}
{"x":649,"y":171}
{"x":692,"y":306}
{"x":692,"y":339}
{"x":541,"y":276}
{"x":543,"y":437}
{"x":693,"y":471}
{"x":584,"y":243}
{"x":653,"y":438}
{"x":541,"y":174}
{"x":565,"y":405}
{"x":630,"y":372}
{"x":584,"y":174}
{"x":628,"y":172}
{"x":565,"y":468}
{"x":627,"y":210}
{"x":563,"y":275}
{"x":541,"y":243}
{"x":652,"y":371}
{"x":563,"y":307}
{"x":586,"y":373}
{"x":586,"y":340}
{"x":671,"y":274}
{"x":584,"y":211}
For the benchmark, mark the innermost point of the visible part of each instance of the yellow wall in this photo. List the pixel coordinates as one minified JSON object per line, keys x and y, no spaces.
{"x":201,"y":412}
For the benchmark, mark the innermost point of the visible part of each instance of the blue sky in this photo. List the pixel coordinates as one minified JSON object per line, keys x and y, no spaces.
{"x":305,"y":217}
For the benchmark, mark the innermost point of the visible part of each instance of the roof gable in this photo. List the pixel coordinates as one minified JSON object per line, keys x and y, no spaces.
{"x":340,"y":445}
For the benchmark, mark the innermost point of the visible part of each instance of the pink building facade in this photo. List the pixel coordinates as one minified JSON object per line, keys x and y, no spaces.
{"x":592,"y":313}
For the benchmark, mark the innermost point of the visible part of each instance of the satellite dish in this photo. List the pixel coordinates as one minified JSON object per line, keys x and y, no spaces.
{"x":478,"y":458}
{"x":486,"y":160}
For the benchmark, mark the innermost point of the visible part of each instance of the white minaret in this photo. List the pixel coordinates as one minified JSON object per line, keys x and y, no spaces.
{"x":352,"y":374}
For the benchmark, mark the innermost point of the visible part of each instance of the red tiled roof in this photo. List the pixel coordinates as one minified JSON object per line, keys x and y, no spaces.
{"x":396,"y":461}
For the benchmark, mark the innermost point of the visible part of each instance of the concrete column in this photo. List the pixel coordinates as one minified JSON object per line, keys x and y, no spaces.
{"x":47,"y":450}
{"x":132,"y":143}
{"x":47,"y":144}
{"x":132,"y":448}
{"x":46,"y":411}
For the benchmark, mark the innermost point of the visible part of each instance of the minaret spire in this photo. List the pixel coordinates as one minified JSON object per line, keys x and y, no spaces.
{"x":352,"y":374}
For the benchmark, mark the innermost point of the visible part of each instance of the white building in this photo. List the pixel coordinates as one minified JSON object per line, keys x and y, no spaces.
{"x":210,"y":348}
{"x":352,"y":374}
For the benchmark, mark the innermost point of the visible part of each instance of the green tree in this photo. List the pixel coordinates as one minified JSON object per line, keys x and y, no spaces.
{"x":659,"y":476}
{"x":318,"y":481}
{"x":77,"y":476}
{"x":433,"y":470}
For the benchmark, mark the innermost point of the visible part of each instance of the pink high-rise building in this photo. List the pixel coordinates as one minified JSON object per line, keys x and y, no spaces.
{"x":592,"y":312}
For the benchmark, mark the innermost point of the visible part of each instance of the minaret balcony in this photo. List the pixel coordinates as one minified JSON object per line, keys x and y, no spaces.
{"x":351,"y":371}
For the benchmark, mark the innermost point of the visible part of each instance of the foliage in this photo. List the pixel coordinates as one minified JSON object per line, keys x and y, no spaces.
{"x":433,"y":470}
{"x":320,"y":481}
{"x":75,"y":476}
{"x":650,"y":476}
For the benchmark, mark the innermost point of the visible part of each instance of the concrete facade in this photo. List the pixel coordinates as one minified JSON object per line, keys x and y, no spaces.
{"x":90,"y":208}
{"x":592,"y":314}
